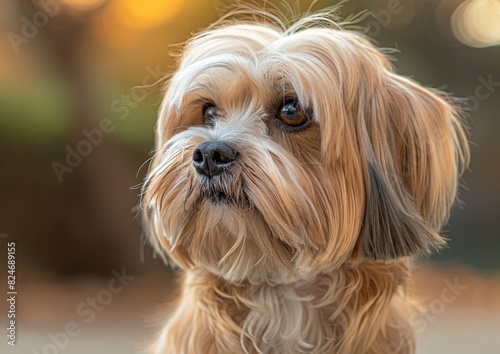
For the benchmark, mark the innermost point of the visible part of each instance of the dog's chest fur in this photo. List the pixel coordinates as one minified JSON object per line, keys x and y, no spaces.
{"x":309,"y":316}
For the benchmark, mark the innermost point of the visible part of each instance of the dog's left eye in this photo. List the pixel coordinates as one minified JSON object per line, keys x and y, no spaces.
{"x":292,"y":114}
{"x":209,"y":112}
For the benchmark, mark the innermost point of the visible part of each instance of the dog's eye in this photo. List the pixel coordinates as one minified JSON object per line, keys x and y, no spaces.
{"x":209,"y":112}
{"x":292,"y":114}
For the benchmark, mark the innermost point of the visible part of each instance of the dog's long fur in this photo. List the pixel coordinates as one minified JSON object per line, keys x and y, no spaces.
{"x":306,"y":247}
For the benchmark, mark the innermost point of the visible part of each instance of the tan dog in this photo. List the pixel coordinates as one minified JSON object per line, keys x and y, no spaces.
{"x":294,"y":175}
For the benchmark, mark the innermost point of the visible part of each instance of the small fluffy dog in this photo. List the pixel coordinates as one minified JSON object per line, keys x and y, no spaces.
{"x":295,"y":174}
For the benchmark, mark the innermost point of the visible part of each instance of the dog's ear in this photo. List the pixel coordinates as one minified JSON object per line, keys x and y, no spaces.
{"x":416,"y":148}
{"x":392,"y":227}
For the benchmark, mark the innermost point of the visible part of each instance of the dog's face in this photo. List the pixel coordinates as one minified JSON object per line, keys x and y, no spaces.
{"x":281,"y":154}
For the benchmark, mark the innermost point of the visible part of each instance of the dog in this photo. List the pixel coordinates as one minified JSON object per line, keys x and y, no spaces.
{"x":294,"y":177}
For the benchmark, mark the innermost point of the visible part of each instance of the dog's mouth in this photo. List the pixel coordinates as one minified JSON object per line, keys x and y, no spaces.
{"x":221,"y":190}
{"x":218,"y":197}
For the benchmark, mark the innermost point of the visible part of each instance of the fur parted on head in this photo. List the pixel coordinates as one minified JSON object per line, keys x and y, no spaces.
{"x":292,"y":160}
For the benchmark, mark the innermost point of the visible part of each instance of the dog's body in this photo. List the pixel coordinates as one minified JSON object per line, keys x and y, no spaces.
{"x":294,"y":176}
{"x":340,"y":312}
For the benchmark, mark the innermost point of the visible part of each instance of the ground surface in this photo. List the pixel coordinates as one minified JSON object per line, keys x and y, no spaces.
{"x":465,"y":319}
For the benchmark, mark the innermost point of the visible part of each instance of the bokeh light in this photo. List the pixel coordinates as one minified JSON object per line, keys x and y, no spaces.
{"x":114,"y":33}
{"x":145,"y":13}
{"x":120,"y":23}
{"x":82,"y":5}
{"x":476,"y":23}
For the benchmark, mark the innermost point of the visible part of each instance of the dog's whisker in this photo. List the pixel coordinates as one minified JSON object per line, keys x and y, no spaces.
{"x":142,"y":165}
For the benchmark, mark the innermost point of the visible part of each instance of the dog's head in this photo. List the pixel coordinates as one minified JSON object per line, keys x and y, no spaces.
{"x":282,"y":152}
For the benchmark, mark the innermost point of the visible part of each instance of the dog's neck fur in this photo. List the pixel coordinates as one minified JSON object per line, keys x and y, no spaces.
{"x":342,"y":312}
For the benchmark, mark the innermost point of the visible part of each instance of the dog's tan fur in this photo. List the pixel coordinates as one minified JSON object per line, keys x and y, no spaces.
{"x":310,"y":252}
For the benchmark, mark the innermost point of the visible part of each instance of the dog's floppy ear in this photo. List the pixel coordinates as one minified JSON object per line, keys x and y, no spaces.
{"x":392,"y":227}
{"x":416,"y":148}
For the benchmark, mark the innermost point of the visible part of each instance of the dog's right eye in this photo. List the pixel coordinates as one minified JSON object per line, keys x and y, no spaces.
{"x":292,"y":115}
{"x":209,"y":112}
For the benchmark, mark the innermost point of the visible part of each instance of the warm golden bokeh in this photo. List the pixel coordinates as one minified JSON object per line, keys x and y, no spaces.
{"x":122,"y":22}
{"x":114,"y":33}
{"x":145,"y":13}
{"x":82,"y":5}
{"x":476,"y":23}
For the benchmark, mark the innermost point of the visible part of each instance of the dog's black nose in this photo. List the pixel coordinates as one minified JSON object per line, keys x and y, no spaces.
{"x":212,"y":157}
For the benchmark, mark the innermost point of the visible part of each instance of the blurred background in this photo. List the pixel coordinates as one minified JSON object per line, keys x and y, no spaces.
{"x":80,"y":85}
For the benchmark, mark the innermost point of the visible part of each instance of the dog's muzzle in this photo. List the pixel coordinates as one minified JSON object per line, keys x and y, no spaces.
{"x":211,"y":158}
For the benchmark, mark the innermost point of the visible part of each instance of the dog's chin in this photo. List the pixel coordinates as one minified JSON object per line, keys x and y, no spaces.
{"x":210,"y":193}
{"x":220,"y":190}
{"x":239,"y":225}
{"x":220,"y":198}
{"x":226,"y":234}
